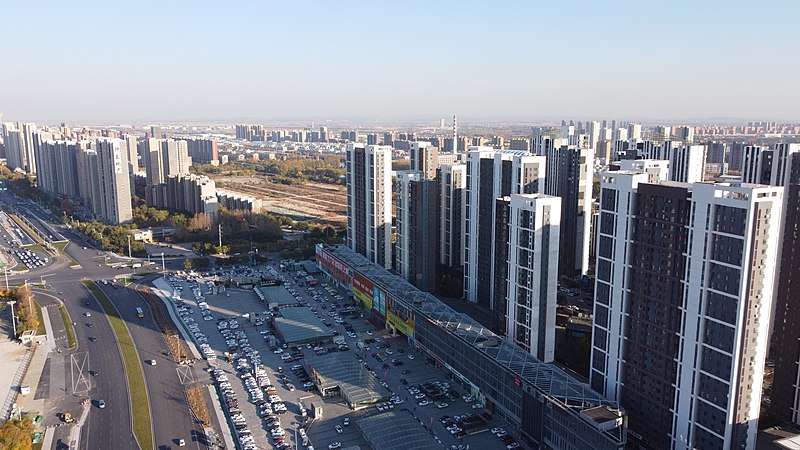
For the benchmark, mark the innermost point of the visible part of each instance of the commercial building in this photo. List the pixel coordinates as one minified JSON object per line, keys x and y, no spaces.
{"x":339,"y":375}
{"x":682,"y":304}
{"x":550,"y":408}
{"x":299,"y":326}
{"x":369,"y":201}
{"x":492,"y":174}
{"x":275,"y":296}
{"x":526,"y":271}
{"x":416,"y":229}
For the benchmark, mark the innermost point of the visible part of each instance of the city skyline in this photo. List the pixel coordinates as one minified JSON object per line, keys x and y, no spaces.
{"x":511,"y":61}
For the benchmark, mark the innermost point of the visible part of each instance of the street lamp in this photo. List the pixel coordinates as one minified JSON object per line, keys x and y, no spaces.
{"x":13,"y":319}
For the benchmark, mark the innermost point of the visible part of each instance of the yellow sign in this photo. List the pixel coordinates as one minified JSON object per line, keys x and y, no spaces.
{"x":406,"y":328}
{"x":365,"y":299}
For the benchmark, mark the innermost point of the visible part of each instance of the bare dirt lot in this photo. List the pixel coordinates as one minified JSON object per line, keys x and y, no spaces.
{"x":320,"y":203}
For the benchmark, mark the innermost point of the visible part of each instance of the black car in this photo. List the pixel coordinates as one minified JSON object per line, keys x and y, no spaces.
{"x":92,"y":338}
{"x":94,"y":373}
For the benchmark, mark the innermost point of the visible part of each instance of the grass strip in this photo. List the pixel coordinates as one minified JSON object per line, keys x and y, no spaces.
{"x":67,"y":326}
{"x":36,"y":248}
{"x":140,"y":406}
{"x":62,"y":248}
{"x":40,"y":330}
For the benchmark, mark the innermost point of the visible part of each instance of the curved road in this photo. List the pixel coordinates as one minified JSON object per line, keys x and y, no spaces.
{"x":111,"y":427}
{"x":172,"y":419}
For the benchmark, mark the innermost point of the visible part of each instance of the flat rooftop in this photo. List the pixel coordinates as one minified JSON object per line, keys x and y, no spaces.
{"x":299,"y":325}
{"x":275,"y":294}
{"x":342,"y":370}
{"x":397,"y":430}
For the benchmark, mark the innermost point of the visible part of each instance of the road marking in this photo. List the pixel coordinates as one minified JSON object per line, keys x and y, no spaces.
{"x":79,"y":363}
{"x":185,"y":374}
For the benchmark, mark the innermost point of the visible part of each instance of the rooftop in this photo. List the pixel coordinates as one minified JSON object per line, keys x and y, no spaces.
{"x":546,"y":378}
{"x":275,"y":294}
{"x":300,"y":325}
{"x":342,"y":369}
{"x":397,"y":430}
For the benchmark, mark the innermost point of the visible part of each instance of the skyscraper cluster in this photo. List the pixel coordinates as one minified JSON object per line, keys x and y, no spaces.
{"x":694,"y":276}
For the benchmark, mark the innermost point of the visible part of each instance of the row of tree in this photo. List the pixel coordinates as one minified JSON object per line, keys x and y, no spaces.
{"x":24,"y":308}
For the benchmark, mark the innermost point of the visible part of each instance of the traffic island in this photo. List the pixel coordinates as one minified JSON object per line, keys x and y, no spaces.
{"x":137,"y":389}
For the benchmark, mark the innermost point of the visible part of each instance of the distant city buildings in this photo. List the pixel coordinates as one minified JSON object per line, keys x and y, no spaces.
{"x":203,"y":151}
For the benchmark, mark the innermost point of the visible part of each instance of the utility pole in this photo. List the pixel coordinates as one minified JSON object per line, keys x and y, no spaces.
{"x":129,"y":246}
{"x":13,"y":319}
{"x":220,"y":237}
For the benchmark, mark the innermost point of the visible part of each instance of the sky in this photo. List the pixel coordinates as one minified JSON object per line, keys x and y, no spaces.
{"x":172,"y":61}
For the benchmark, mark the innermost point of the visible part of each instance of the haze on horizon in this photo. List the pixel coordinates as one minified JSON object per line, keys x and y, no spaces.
{"x":173,"y":61}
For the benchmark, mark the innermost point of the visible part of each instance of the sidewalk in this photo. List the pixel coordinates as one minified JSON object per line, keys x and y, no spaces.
{"x":34,"y":373}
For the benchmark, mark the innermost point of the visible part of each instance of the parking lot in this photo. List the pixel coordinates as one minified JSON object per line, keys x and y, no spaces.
{"x":236,"y":322}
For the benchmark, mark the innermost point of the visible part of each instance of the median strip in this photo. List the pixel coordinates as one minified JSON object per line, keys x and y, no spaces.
{"x":140,"y":405}
{"x":67,"y":326}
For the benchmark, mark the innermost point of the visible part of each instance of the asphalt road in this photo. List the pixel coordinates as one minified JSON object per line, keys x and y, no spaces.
{"x":109,"y":427}
{"x":172,"y":419}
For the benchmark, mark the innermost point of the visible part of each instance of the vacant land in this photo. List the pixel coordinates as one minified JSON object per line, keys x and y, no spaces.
{"x":317,"y":202}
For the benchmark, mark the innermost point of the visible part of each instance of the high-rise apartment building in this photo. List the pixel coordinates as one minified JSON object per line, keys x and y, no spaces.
{"x":452,"y":212}
{"x":110,"y":181}
{"x":570,"y":169}
{"x":687,"y":163}
{"x":57,"y":162}
{"x":204,"y":151}
{"x":19,"y":142}
{"x":785,"y":339}
{"x":369,"y":202}
{"x":526,"y":271}
{"x":416,"y":229}
{"x":166,"y":158}
{"x":682,"y":303}
{"x":190,"y":193}
{"x":424,"y":158}
{"x":492,"y":174}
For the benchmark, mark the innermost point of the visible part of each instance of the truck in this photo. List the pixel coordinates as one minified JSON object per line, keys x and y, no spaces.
{"x":361,"y":345}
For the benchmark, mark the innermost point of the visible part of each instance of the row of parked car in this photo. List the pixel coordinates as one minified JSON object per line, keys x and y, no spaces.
{"x":254,"y":376}
{"x":243,"y":432}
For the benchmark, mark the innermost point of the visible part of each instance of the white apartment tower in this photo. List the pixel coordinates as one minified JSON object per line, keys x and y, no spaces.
{"x":683,"y":295}
{"x":492,"y":174}
{"x":369,"y":202}
{"x":687,"y":163}
{"x":530,"y":256}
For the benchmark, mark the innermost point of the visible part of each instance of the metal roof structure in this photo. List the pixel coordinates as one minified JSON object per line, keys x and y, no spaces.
{"x":342,"y":370}
{"x":275,"y":294}
{"x":299,"y":325}
{"x":548,"y":379}
{"x":398,"y":430}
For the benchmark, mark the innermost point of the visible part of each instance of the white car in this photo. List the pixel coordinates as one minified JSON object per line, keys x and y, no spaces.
{"x":87,"y":314}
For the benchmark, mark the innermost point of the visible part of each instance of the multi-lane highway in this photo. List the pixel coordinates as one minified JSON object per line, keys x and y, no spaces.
{"x":110,"y":427}
{"x":165,"y":380}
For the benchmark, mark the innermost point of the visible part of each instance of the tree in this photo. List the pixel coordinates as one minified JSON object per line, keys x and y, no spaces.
{"x":200,"y":222}
{"x":16,"y":434}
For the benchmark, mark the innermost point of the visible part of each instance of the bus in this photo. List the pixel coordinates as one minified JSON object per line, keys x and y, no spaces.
{"x":139,"y":312}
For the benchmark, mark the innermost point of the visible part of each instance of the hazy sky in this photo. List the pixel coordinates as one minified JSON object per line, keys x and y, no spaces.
{"x":170,"y":60}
